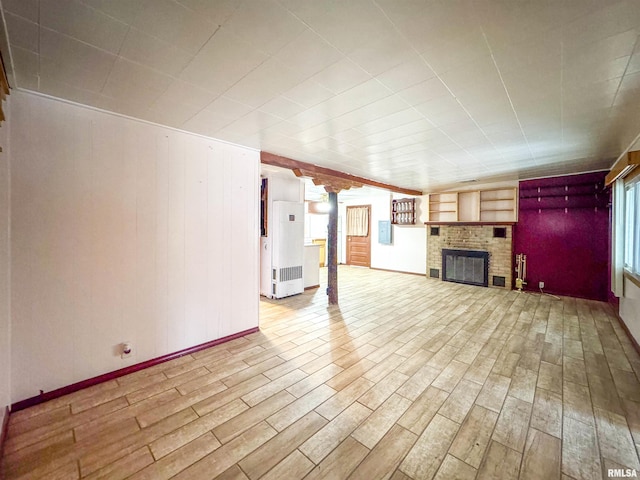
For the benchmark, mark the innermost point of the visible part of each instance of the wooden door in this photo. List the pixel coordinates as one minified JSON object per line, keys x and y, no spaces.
{"x":359,"y":235}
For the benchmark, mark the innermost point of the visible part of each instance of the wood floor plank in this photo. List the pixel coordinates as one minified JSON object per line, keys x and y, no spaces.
{"x":453,"y":468}
{"x":279,"y":447}
{"x":179,"y":459}
{"x":293,"y":467}
{"x":547,"y":412}
{"x":542,"y":457}
{"x":422,"y":410}
{"x":226,"y":456}
{"x":380,"y":421}
{"x":383,"y":460}
{"x":423,"y":460}
{"x":473,"y":438}
{"x":247,"y":419}
{"x":511,"y":429}
{"x":340,"y":462}
{"x":189,"y":432}
{"x":580,"y":453}
{"x":458,"y":404}
{"x":615,"y":439}
{"x":494,"y":392}
{"x":300,"y":407}
{"x":330,"y":436}
{"x":500,"y":463}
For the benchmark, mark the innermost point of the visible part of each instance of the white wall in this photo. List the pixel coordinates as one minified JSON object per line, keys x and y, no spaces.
{"x":5,"y":324}
{"x":630,"y":308}
{"x":123,"y":230}
{"x":408,"y":251}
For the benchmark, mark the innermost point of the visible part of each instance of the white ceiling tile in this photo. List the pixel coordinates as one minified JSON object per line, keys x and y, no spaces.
{"x":54,"y":88}
{"x":22,"y":33}
{"x":130,"y":80}
{"x":170,"y":113}
{"x":264,"y":83}
{"x":27,"y":9}
{"x":411,"y":72}
{"x":308,"y":53}
{"x":73,"y":54}
{"x":26,"y":68}
{"x":175,"y":24}
{"x":308,"y":93}
{"x":442,"y":111}
{"x":217,"y":12}
{"x":251,"y":123}
{"x":469,"y":47}
{"x":382,"y":53}
{"x":186,"y":93}
{"x":88,"y":25}
{"x":122,"y":10}
{"x":265,"y":24}
{"x":72,"y":75}
{"x":341,"y":76}
{"x":349,"y":25}
{"x":311,"y":10}
{"x":223,"y":61}
{"x":206,"y":122}
{"x":392,"y":121}
{"x":154,"y":53}
{"x":610,"y":19}
{"x":424,"y":91}
{"x":282,"y":107}
{"x":227,"y":108}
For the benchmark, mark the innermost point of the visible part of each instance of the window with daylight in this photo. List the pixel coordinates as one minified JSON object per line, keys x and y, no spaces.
{"x":632,"y":226}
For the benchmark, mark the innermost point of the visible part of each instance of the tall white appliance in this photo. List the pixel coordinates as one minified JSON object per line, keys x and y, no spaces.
{"x":283,"y":251}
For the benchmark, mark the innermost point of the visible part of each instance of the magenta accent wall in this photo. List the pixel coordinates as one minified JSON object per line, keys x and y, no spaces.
{"x":564,"y":229}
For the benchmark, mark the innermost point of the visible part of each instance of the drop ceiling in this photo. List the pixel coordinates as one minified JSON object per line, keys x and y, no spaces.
{"x":420,"y":94}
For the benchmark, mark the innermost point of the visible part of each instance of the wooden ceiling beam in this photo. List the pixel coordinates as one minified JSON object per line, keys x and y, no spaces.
{"x":623,"y":166}
{"x":335,"y":177}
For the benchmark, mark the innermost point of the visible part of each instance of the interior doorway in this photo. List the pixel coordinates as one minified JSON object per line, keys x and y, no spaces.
{"x":359,"y":235}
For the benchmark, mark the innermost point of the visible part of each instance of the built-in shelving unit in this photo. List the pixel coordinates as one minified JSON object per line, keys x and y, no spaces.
{"x":443,"y":207}
{"x":403,"y":211}
{"x":499,"y":205}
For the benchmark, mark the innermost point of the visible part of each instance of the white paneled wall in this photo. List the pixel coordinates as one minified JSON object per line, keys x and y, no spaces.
{"x":408,"y":251}
{"x":123,"y":230}
{"x":5,"y":328}
{"x":630,"y":308}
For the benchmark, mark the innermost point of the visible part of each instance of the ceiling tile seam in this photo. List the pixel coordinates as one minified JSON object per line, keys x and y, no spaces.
{"x":106,"y":80}
{"x":91,"y":7}
{"x":6,"y":36}
{"x":177,"y":76}
{"x":615,"y":96}
{"x":495,"y":64}
{"x":421,"y":56}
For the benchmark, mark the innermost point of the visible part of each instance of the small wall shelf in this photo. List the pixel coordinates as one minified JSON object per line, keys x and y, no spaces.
{"x":403,"y":211}
{"x":499,"y":205}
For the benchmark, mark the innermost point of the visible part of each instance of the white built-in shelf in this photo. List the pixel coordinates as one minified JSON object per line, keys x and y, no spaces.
{"x":498,"y":205}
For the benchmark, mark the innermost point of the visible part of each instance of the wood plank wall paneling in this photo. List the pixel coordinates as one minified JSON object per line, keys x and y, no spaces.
{"x":123,"y":231}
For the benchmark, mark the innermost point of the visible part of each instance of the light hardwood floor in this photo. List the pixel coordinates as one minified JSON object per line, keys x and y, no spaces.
{"x":409,"y":378}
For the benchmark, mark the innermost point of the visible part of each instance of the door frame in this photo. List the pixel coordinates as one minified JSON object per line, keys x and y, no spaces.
{"x":347,"y":240}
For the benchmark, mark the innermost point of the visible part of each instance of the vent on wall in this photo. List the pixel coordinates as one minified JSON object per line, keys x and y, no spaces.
{"x":499,"y":232}
{"x":499,"y":281}
{"x":290,"y":273}
{"x":434,"y":273}
{"x":435,"y":231}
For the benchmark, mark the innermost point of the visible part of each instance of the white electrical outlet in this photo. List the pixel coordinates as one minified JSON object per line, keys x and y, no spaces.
{"x":127,"y":350}
{"x":541,"y":285}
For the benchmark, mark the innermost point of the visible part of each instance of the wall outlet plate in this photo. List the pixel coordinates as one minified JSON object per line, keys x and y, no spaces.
{"x":541,"y":285}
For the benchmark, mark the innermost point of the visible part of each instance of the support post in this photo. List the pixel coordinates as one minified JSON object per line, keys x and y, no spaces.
{"x":332,"y":246}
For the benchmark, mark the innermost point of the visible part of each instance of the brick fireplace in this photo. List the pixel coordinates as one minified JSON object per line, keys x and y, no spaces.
{"x":493,"y":239}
